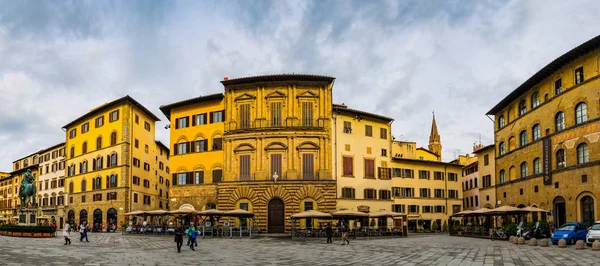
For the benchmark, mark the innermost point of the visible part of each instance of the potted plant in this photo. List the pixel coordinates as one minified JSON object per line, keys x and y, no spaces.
{"x":434,"y":226}
{"x":445,"y":226}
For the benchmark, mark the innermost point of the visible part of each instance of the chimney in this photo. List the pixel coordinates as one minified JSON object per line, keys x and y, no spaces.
{"x":225,"y":78}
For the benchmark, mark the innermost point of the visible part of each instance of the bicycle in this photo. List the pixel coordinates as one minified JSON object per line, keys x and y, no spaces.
{"x":498,"y":233}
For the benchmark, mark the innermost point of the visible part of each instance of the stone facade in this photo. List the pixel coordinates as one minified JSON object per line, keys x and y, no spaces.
{"x":196,"y":195}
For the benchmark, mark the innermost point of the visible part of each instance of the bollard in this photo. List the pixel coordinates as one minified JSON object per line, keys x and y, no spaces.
{"x":562,"y":243}
{"x":596,"y":245}
{"x":521,"y":240}
{"x":510,"y":239}
{"x":579,"y":244}
{"x":544,"y":243}
{"x":533,"y":242}
{"x":515,"y":240}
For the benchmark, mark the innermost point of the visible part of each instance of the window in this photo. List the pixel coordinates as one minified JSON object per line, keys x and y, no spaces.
{"x":83,"y":167}
{"x":147,"y":126}
{"x":453,"y":193}
{"x":276,"y":163}
{"x":403,"y":173}
{"x":369,"y":168}
{"x":558,"y":87}
{"x":584,"y":179}
{"x":487,"y":181}
{"x":383,"y":133}
{"x":98,"y":163}
{"x":244,"y":168}
{"x":486,"y":159}
{"x":438,"y":193}
{"x":348,"y":166}
{"x":84,"y":148}
{"x":501,"y":122}
{"x":502,"y":177}
{"x":536,"y":132}
{"x":137,"y":119}
{"x":385,"y":194}
{"x":83,"y":185}
{"x":72,"y":133}
{"x":384,"y":152}
{"x":99,"y":143}
{"x":399,"y":208}
{"x":559,"y":120}
{"x":348,"y":193}
{"x":425,"y":193}
{"x":578,"y":75}
{"x":580,"y":113}
{"x":535,"y":100}
{"x":136,"y":143}
{"x":181,"y":179}
{"x":501,"y":148}
{"x":182,"y":148}
{"x":97,"y":183}
{"x":112,"y":181}
{"x":182,"y":122}
{"x":423,"y":174}
{"x":200,"y":146}
{"x":348,"y":127}
{"x":114,"y":116}
{"x":199,"y":177}
{"x":413,"y":208}
{"x":217,"y":117}
{"x":199,"y":119}
{"x":453,"y":177}
{"x":276,"y":116}
{"x":368,"y":131}
{"x":523,"y":138}
{"x":383,"y":172}
{"x":147,"y":200}
{"x":561,"y":161}
{"x":113,"y":138}
{"x":111,"y":196}
{"x":524,"y":170}
{"x":100,"y":121}
{"x":307,"y":114}
{"x":370,"y":193}
{"x":85,"y":127}
{"x":438,"y":175}
{"x":146,"y":148}
{"x":217,"y":175}
{"x":537,"y":166}
{"x":113,"y":160}
{"x":403,"y":192}
{"x":245,"y":116}
{"x":522,"y":108}
{"x":583,"y":155}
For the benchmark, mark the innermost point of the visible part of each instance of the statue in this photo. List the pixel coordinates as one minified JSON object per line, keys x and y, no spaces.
{"x":27,"y":190}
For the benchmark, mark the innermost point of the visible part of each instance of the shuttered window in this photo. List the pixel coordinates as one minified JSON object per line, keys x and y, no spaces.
{"x":308,"y":167}
{"x":276,"y":164}
{"x":245,"y":115}
{"x":199,"y":177}
{"x":201,"y":145}
{"x":276,"y":114}
{"x":217,"y":175}
{"x":369,"y":168}
{"x":244,"y":167}
{"x":307,"y":114}
{"x":368,"y":131}
{"x":348,"y":166}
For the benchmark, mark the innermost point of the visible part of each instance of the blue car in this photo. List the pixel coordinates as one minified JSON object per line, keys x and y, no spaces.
{"x":571,"y":232}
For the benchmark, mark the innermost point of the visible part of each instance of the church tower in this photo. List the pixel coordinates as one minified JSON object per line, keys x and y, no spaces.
{"x":435,"y":144}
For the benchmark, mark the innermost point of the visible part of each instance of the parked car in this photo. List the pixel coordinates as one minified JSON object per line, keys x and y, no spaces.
{"x":593,"y":234}
{"x":571,"y":232}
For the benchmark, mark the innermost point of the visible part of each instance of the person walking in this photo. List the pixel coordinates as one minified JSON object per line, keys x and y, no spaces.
{"x":192,"y":236}
{"x":329,"y":232}
{"x":345,"y":235}
{"x":83,"y":232}
{"x":179,"y":237}
{"x":66,"y":234}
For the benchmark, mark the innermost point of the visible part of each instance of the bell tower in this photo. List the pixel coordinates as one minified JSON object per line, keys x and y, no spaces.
{"x":435,"y":144}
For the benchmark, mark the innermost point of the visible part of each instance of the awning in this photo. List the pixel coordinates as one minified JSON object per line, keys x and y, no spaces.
{"x":183,"y":211}
{"x":156,"y":212}
{"x":211,"y":212}
{"x":238,"y":213}
{"x":381,"y":214}
{"x":348,"y":214}
{"x":507,"y":210}
{"x":534,"y":209}
{"x":312,"y":214}
{"x":135,"y":213}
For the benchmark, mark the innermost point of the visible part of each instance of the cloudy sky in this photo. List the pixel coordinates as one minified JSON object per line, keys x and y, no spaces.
{"x":403,"y":59}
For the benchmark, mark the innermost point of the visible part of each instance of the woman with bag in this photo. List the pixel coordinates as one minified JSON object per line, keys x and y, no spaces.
{"x":191,"y":233}
{"x":66,"y":233}
{"x":179,"y":237}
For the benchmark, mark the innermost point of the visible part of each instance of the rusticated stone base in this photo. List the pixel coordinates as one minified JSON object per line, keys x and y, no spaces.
{"x":196,"y":195}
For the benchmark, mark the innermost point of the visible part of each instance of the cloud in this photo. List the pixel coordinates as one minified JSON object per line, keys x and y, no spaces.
{"x":401,"y":59}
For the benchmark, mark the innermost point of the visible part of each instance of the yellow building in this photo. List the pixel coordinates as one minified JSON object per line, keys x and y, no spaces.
{"x":51,"y":184}
{"x":484,"y":182}
{"x":6,"y":196}
{"x":546,"y":136}
{"x":196,"y":135}
{"x":362,"y":146}
{"x":277,"y":145}
{"x":425,"y":188}
{"x":112,"y":165}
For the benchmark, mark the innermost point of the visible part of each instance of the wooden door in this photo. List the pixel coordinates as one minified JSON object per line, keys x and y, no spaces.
{"x":276,"y":216}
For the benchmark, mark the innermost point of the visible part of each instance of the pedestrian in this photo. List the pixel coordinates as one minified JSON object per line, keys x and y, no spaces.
{"x":179,"y":237}
{"x":192,"y":236}
{"x":329,"y":232}
{"x":66,"y":234}
{"x":345,"y":235}
{"x":83,"y":229}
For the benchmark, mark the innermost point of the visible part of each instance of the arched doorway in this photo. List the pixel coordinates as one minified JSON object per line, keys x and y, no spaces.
{"x":560,"y":211}
{"x":276,"y":216}
{"x":97,"y":219}
{"x":587,"y":210}
{"x":83,"y":217}
{"x":71,"y":217}
{"x":111,"y":217}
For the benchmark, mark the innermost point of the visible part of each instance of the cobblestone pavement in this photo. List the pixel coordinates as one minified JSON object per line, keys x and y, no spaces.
{"x":117,"y":249}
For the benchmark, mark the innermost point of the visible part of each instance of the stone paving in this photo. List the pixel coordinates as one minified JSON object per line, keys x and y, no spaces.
{"x":117,"y":249}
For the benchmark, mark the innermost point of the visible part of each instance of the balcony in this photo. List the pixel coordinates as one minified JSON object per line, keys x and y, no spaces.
{"x":289,"y":124}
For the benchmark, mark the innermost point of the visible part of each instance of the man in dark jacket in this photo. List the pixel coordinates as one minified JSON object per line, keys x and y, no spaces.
{"x":179,"y":237}
{"x":329,"y":232}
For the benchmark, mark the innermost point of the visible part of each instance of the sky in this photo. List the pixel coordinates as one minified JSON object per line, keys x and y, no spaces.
{"x":402,"y":59}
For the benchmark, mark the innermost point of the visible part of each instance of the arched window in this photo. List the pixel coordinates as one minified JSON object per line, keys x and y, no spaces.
{"x":561,"y":160}
{"x":536,"y":132}
{"x":587,"y":210}
{"x":535,"y":100}
{"x":83,"y":185}
{"x":83,"y":216}
{"x":84,"y":167}
{"x":72,"y":152}
{"x":84,"y":148}
{"x":475,"y":181}
{"x":501,"y":148}
{"x":113,"y":181}
{"x":583,"y":155}
{"x":97,"y":183}
{"x":99,"y":163}
{"x":523,"y":138}
{"x":500,"y":122}
{"x":522,"y":108}
{"x":113,"y":138}
{"x":99,"y":143}
{"x":537,"y":166}
{"x":502,"y":176}
{"x":580,"y":113}
{"x":35,"y":160}
{"x":71,"y":188}
{"x":113,"y":160}
{"x":559,"y":121}
{"x":524,"y":170}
